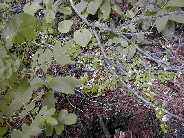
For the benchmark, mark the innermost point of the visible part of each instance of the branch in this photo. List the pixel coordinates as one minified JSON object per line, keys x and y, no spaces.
{"x":78,"y":13}
{"x":126,"y":85}
{"x":135,"y":92}
{"x":160,"y":62}
{"x":143,"y":17}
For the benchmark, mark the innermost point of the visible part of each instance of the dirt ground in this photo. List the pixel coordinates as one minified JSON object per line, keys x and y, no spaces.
{"x":108,"y":116}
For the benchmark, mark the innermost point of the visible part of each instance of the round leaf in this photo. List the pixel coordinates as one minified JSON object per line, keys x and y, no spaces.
{"x":82,"y":37}
{"x":59,"y":129}
{"x":51,"y":121}
{"x":70,"y":119}
{"x":65,"y":26}
{"x":61,"y":56}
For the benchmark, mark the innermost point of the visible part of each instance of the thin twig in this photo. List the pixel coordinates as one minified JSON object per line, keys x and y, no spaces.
{"x":135,"y":92}
{"x":78,"y":13}
{"x":73,"y":105}
{"x":143,"y":17}
{"x":160,"y":62}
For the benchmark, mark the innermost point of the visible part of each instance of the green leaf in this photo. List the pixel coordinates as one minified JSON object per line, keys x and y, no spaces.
{"x":106,"y":9}
{"x":49,"y":130}
{"x":131,"y":51}
{"x":51,"y":121}
{"x":26,"y":28}
{"x":65,"y":26}
{"x":81,"y":6}
{"x":31,"y":8}
{"x":20,"y":99}
{"x":122,"y":41}
{"x":177,"y":18}
{"x":65,"y":10}
{"x":59,"y":129}
{"x":175,"y":3}
{"x":37,"y":82}
{"x":166,"y":76}
{"x":70,"y":119}
{"x":67,"y":118}
{"x":3,"y":130}
{"x":82,"y":37}
{"x":49,"y":100}
{"x":34,"y":128}
{"x":48,"y":4}
{"x":93,"y":6}
{"x":169,"y":30}
{"x":61,"y":56}
{"x":62,"y":115}
{"x":161,"y":23}
{"x":50,"y":16}
{"x":117,"y":9}
{"x":64,"y":84}
{"x":16,"y":134}
{"x":29,"y":131}
{"x":42,"y":58}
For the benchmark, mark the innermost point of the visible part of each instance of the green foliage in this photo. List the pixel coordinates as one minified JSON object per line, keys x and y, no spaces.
{"x":66,"y":10}
{"x":73,"y":50}
{"x":59,"y":129}
{"x":63,"y":84}
{"x":166,"y":76}
{"x":175,"y":3}
{"x":43,"y":58}
{"x":20,"y":85}
{"x":18,"y":92}
{"x":27,"y":26}
{"x":23,"y":95}
{"x":106,"y":9}
{"x":67,"y":118}
{"x":35,"y":128}
{"x":82,"y":37}
{"x":31,"y":8}
{"x":81,"y":6}
{"x":177,"y":18}
{"x":3,"y":130}
{"x":93,"y":6}
{"x":161,"y":23}
{"x":61,"y":56}
{"x":65,"y":26}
